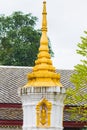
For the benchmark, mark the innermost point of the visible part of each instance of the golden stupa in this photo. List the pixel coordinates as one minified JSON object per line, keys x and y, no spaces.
{"x":43,"y":73}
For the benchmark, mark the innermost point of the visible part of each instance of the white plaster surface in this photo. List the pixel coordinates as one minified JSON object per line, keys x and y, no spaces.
{"x":30,"y":100}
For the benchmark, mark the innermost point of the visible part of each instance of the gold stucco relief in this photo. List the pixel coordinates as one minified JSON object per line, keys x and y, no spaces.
{"x":43,"y":113}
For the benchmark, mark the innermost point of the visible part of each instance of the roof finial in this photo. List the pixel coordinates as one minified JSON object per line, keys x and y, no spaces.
{"x":44,"y":20}
{"x":44,"y":39}
{"x":43,"y":74}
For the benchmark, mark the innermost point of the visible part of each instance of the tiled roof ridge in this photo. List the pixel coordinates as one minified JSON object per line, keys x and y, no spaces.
{"x":3,"y":66}
{"x":15,"y":67}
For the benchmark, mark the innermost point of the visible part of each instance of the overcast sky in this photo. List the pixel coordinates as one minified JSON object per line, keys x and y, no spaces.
{"x":67,"y":20}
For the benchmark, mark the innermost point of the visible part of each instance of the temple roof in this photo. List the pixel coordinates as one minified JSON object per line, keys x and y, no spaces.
{"x":11,"y":78}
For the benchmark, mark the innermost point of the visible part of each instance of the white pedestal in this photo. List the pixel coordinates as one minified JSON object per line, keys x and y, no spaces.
{"x":30,"y":98}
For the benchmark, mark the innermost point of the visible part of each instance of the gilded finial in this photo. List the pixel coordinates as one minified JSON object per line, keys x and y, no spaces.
{"x":43,"y":74}
{"x":44,"y":20}
{"x":44,"y":39}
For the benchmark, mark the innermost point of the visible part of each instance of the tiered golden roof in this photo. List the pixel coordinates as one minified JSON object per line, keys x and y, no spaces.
{"x":43,"y":74}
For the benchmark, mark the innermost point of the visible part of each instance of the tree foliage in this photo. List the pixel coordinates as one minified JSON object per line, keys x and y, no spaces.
{"x":19,"y":40}
{"x":78,"y":95}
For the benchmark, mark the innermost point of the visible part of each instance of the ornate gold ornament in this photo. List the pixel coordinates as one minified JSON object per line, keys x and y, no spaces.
{"x":43,"y":113}
{"x":43,"y":73}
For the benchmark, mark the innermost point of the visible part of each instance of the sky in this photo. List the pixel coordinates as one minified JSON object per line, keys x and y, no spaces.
{"x":67,"y":21}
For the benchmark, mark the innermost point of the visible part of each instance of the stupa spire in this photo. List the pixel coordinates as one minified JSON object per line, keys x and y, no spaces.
{"x":44,"y":20}
{"x":43,"y":94}
{"x":43,"y":74}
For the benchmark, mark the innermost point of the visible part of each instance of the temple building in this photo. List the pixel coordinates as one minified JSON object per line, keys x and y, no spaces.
{"x":43,"y":95}
{"x":11,"y":112}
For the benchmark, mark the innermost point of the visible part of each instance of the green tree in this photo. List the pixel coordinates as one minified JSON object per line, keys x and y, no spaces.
{"x":78,"y":95}
{"x":19,"y":40}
